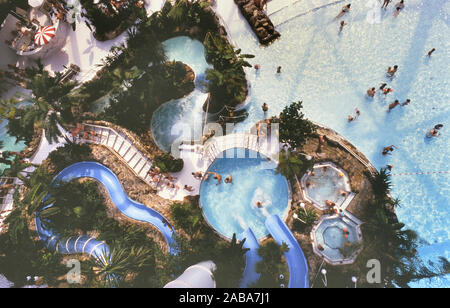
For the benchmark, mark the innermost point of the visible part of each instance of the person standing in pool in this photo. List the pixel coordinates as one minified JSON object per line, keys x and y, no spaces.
{"x":279,"y":70}
{"x":431,"y":52}
{"x":265,"y":107}
{"x":371,"y":92}
{"x":342,"y":26}
{"x":391,"y":71}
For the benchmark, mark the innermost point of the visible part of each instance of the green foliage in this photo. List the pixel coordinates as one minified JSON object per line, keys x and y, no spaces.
{"x":187,"y":216}
{"x":381,"y":184}
{"x":112,"y":19}
{"x":69,"y":154}
{"x":133,"y":106}
{"x":166,"y":163}
{"x":294,"y":128}
{"x":308,"y":217}
{"x":291,"y":165}
{"x":76,"y":206}
{"x":227,"y":82}
{"x":229,"y":263}
{"x":395,"y":247}
{"x":271,"y":265}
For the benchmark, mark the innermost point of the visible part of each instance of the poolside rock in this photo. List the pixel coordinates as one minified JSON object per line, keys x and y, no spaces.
{"x":259,"y":21}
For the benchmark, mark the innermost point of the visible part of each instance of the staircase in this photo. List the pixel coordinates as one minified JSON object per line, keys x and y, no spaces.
{"x":122,"y":147}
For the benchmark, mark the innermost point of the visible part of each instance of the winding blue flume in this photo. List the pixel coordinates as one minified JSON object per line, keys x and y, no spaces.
{"x":130,"y":208}
{"x":298,"y":267}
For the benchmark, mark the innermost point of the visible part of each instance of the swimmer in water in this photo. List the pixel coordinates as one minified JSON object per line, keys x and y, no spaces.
{"x":344,"y":10}
{"x":265,"y":107}
{"x":393,"y":105}
{"x":371,"y":92}
{"x":433,"y":133}
{"x":383,"y":85}
{"x":389,"y":167}
{"x":391,"y":71}
{"x":358,"y":113}
{"x":431,"y":52}
{"x":387,"y":91}
{"x":385,"y":4}
{"x":216,"y":177}
{"x":257,"y":67}
{"x":407,"y":102}
{"x":279,"y":70}
{"x":229,"y":179}
{"x":259,"y":204}
{"x":350,"y":118}
{"x":398,"y":7}
{"x":388,"y":149}
{"x":438,"y":126}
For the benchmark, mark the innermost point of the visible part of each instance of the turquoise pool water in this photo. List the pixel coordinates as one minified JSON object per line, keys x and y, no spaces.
{"x":182,"y":118}
{"x":331,"y":74}
{"x":330,"y":235}
{"x":231,"y":208}
{"x":326,"y":183}
{"x":9,"y":142}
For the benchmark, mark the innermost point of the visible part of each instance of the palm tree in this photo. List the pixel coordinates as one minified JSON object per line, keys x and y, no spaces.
{"x":229,"y":262}
{"x":113,"y":268}
{"x":292,"y":166}
{"x":25,"y":209}
{"x":381,"y":183}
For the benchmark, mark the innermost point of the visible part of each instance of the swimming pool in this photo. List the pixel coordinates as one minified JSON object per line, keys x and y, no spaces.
{"x":232,"y":208}
{"x":181,"y":119}
{"x":331,"y":74}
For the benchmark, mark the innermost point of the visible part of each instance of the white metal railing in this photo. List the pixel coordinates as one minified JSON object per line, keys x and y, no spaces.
{"x":139,"y":163}
{"x":217,"y":145}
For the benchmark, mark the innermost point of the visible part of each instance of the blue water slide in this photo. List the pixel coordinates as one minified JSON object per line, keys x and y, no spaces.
{"x":250,"y":275}
{"x":130,"y":208}
{"x":298,"y":267}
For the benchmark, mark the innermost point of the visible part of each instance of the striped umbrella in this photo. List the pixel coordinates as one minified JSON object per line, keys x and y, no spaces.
{"x":44,"y":35}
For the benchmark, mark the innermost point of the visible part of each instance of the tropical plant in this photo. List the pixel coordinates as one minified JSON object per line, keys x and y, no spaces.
{"x":271,"y":265}
{"x":69,"y":154}
{"x":381,"y":184}
{"x":118,"y":263}
{"x":17,"y":169}
{"x":306,"y":219}
{"x":294,"y":128}
{"x":226,"y":82}
{"x":187,"y":216}
{"x":228,"y":273}
{"x":387,"y":240}
{"x":167,"y":163}
{"x":293,"y":165}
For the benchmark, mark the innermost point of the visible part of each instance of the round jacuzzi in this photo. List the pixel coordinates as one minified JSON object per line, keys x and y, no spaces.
{"x":255,"y":193}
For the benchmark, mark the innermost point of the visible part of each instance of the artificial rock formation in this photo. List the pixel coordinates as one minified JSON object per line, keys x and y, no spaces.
{"x":258,"y":20}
